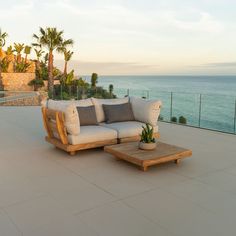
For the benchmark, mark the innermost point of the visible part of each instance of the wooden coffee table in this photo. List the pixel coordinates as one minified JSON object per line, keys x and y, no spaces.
{"x":163,"y":153}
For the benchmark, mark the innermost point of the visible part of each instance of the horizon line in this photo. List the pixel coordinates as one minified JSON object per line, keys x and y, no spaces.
{"x":179,"y":75}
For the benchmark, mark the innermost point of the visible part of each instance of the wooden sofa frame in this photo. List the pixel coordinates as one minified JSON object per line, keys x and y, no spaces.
{"x":57,"y":135}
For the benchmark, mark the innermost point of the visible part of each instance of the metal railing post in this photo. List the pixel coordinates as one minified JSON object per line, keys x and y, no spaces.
{"x":53,"y":90}
{"x":61,"y":92}
{"x":70,"y":91}
{"x":128,"y":92}
{"x":235,"y":117}
{"x":77,"y":92}
{"x":171,"y":105}
{"x":200,"y":110}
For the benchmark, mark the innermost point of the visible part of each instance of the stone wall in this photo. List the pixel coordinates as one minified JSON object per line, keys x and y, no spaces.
{"x":29,"y":101}
{"x":17,"y":81}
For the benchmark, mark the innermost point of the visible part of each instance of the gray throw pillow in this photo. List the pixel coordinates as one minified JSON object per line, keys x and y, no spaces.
{"x":118,"y":113}
{"x":87,"y":115}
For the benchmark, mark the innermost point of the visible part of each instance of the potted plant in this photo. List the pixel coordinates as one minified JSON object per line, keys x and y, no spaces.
{"x":147,"y":141}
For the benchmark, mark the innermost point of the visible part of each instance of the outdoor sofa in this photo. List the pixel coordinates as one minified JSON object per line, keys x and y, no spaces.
{"x":89,"y":123}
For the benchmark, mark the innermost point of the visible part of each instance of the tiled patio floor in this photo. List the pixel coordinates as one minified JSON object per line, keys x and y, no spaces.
{"x":45,"y":192}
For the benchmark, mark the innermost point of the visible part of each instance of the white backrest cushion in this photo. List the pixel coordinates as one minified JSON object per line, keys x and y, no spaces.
{"x":99,"y":102}
{"x":84,"y":102}
{"x":146,"y":111}
{"x":71,"y":115}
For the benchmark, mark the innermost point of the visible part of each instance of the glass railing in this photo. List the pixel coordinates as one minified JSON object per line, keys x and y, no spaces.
{"x":208,"y":111}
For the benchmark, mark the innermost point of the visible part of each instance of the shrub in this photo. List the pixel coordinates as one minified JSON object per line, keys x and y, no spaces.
{"x":5,"y":64}
{"x":21,"y":67}
{"x":81,"y":83}
{"x":65,"y":96}
{"x":37,"y":83}
{"x":77,"y":88}
{"x":43,"y":71}
{"x":174,"y":119}
{"x":182,"y":120}
{"x":160,"y":118}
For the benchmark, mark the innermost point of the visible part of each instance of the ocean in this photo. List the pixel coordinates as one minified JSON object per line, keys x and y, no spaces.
{"x":213,"y":109}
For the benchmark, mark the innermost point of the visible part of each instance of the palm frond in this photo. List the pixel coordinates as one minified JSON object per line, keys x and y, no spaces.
{"x":35,"y":36}
{"x":42,"y":31}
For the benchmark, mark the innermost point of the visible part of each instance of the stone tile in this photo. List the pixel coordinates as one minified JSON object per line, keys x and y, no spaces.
{"x":162,"y":175}
{"x":84,"y":197}
{"x":194,"y":190}
{"x":126,"y":186}
{"x":107,"y":174}
{"x":33,"y":214}
{"x":71,"y":226}
{"x":196,"y":197}
{"x":221,"y":180}
{"x":189,"y":167}
{"x":7,"y":227}
{"x":230,"y":170}
{"x":12,"y":192}
{"x":177,"y":214}
{"x":83,"y":160}
{"x":118,"y":219}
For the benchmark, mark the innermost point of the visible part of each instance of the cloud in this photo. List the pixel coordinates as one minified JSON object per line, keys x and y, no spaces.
{"x":16,"y":10}
{"x":116,"y":16}
{"x":198,"y":21}
{"x":109,"y":68}
{"x":217,"y":64}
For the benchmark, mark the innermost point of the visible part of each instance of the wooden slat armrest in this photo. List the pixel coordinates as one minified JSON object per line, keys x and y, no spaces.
{"x":54,"y":124}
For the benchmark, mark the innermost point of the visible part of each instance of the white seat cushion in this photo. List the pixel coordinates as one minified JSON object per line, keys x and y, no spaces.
{"x":146,"y":111}
{"x":128,"y":128}
{"x":90,"y":134}
{"x":99,"y":102}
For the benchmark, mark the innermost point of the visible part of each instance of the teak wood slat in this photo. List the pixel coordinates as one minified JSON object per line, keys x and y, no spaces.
{"x":54,"y":124}
{"x":45,"y":122}
{"x":51,"y":114}
{"x":163,"y":153}
{"x":73,"y":148}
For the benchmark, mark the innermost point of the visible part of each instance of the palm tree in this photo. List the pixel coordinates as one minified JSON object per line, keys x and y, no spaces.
{"x":10,"y":58}
{"x":9,"y":51}
{"x":3,"y":36}
{"x":27,"y":51}
{"x":52,"y":39}
{"x":67,"y":57}
{"x":46,"y":58}
{"x":94,"y":80}
{"x":111,"y":89}
{"x":18,"y":47}
{"x":38,"y":53}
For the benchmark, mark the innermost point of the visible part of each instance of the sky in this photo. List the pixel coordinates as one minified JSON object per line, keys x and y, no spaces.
{"x":133,"y":37}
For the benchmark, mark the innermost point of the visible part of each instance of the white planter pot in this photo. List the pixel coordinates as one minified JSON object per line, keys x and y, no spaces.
{"x":147,"y":146}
